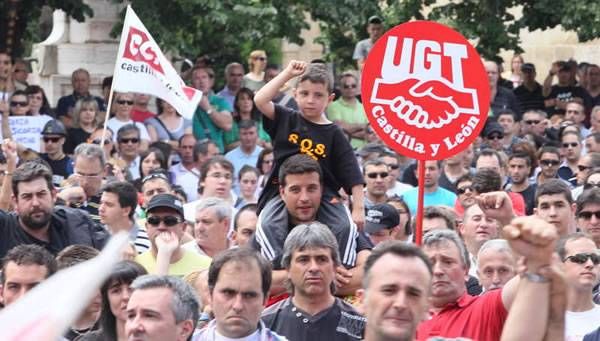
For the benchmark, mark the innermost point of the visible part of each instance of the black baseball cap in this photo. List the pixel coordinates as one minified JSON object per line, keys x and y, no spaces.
{"x":54,"y":127}
{"x":165,"y":200}
{"x":374,"y":20}
{"x":493,"y":127}
{"x":381,"y":216}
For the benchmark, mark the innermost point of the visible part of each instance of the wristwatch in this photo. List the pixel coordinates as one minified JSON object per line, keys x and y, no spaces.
{"x":536,"y":278}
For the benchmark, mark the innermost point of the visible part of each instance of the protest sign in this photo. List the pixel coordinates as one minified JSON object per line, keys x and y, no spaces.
{"x":26,"y":130}
{"x":426,"y":94}
{"x":142,"y":67}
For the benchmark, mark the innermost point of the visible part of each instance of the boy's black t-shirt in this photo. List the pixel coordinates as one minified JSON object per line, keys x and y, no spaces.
{"x":292,"y":134}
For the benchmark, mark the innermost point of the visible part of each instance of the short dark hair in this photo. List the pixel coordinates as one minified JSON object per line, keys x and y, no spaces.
{"x":463,"y":178}
{"x":126,"y":129}
{"x":373,"y":162}
{"x":432,"y":212}
{"x":75,"y":254}
{"x":29,"y":171}
{"x":507,"y":112}
{"x":248,"y":169}
{"x":486,"y":180}
{"x":396,"y":248}
{"x":589,"y":196}
{"x":595,"y":136}
{"x":246,"y":124}
{"x":521,"y":156}
{"x":299,"y":164}
{"x":240,"y":255}
{"x":548,"y":149}
{"x":551,"y":187}
{"x":126,"y":192}
{"x":29,"y":254}
{"x":319,"y":74}
{"x":201,"y":147}
{"x":490,"y":152}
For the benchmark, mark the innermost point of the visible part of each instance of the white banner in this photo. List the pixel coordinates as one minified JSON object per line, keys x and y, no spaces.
{"x":142,"y":67}
{"x":26,"y":130}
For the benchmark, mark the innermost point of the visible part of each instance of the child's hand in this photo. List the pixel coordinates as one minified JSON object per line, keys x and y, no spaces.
{"x":295,"y":68}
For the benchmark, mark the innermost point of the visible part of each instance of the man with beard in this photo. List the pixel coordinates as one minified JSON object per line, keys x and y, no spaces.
{"x":519,"y":168}
{"x":434,"y":194}
{"x":35,"y":220}
{"x":313,"y":312}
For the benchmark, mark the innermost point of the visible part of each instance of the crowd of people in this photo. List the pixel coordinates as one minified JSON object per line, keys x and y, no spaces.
{"x":277,"y":213}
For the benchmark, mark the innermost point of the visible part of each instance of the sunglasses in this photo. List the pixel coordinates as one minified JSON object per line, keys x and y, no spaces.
{"x":20,"y":104}
{"x":572,"y":144}
{"x":51,"y":139}
{"x":262,"y":59}
{"x":169,"y":220}
{"x":495,"y":137}
{"x":591,"y":185}
{"x":349,"y":86}
{"x":587,"y":215}
{"x":131,"y":140}
{"x":463,"y":190}
{"x":123,"y":102}
{"x":582,"y":258}
{"x":99,"y":141}
{"x":375,"y":175}
{"x":155,"y":176}
{"x":582,"y":168}
{"x":531,"y":122}
{"x":549,"y":163}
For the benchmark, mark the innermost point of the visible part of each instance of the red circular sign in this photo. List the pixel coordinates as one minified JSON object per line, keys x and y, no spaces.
{"x":425,"y":90}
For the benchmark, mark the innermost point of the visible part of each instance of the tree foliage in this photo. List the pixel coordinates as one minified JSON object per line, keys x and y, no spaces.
{"x":22,"y":29}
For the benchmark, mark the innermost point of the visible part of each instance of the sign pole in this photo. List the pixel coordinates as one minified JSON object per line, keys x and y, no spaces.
{"x":421,"y":193}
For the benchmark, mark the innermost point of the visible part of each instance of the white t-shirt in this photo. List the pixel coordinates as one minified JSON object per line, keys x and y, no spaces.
{"x":577,"y":324}
{"x":114,"y":124}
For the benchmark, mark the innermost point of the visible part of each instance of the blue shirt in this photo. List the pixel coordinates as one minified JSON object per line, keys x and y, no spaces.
{"x":66,"y":104}
{"x":239,"y":158}
{"x":440,"y":197}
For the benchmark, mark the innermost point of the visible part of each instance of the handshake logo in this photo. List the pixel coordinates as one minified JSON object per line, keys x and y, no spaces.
{"x":415,"y":89}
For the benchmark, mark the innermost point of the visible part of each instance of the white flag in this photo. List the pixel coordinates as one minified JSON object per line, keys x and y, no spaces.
{"x":142,"y":67}
{"x":47,"y":311}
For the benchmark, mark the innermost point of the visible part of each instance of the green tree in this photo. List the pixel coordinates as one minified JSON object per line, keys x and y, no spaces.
{"x":18,"y":21}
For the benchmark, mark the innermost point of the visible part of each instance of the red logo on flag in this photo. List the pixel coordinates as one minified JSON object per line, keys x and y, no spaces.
{"x":425,"y":90}
{"x":139,"y":48}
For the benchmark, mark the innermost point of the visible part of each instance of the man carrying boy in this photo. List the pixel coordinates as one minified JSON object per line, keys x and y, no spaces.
{"x":310,"y":132}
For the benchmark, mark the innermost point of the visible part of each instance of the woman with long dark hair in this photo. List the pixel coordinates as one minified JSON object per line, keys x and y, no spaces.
{"x":115,"y":295}
{"x":245,"y":109}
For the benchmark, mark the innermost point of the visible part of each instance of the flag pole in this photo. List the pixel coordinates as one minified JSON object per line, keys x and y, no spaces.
{"x":114,"y":80}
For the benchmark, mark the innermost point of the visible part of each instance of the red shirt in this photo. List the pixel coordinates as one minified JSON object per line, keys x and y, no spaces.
{"x":480,"y":318}
{"x":140,"y":116}
{"x":518,"y":204}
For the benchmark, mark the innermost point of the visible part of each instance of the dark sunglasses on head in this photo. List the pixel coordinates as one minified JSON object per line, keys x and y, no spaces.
{"x":375,"y":175}
{"x":549,"y":162}
{"x":530,"y":122}
{"x":581,"y":258}
{"x":463,"y":190}
{"x":572,"y":144}
{"x":591,"y":185}
{"x":123,"y":102}
{"x":131,"y":140}
{"x":349,"y":86}
{"x":169,"y":220}
{"x":587,"y":215}
{"x":99,"y":141}
{"x":20,"y":104}
{"x":51,"y":139}
{"x":155,"y":176}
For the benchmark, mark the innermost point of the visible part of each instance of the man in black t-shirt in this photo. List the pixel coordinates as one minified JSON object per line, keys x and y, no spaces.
{"x":53,"y":138}
{"x":529,"y":94}
{"x":519,"y":170}
{"x":313,"y":313}
{"x":560,"y":94}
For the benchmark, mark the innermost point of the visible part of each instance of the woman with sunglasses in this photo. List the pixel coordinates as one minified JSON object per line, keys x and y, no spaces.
{"x":18,"y":104}
{"x":121,"y":107}
{"x":257,"y":62}
{"x":85,"y":116}
{"x":245,"y":109}
{"x":115,"y":296}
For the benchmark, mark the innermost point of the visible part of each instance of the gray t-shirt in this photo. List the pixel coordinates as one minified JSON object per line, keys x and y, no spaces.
{"x":362,"y":49}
